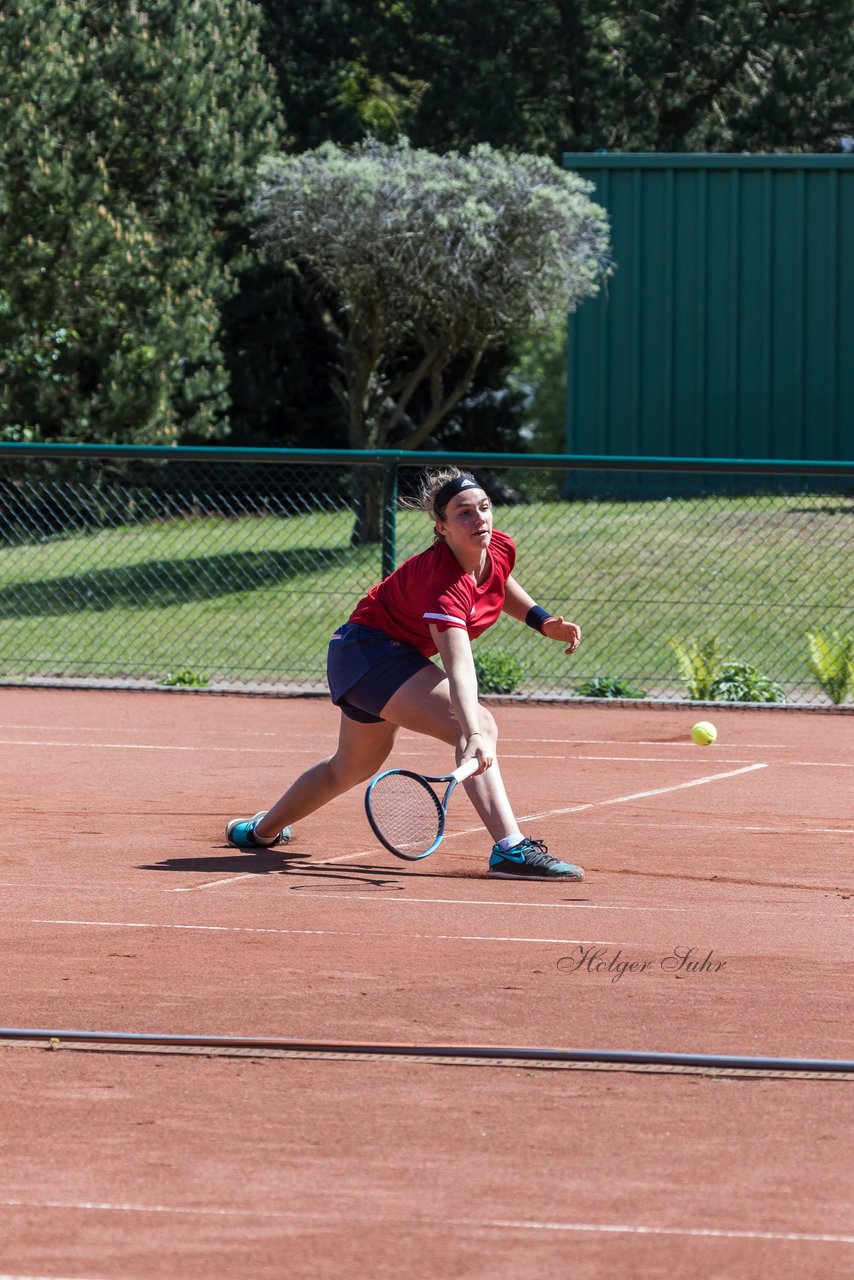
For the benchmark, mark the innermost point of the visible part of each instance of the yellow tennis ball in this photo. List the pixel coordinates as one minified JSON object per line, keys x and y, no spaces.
{"x":704,"y":734}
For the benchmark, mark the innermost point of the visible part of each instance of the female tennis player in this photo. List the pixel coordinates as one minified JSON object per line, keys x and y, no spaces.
{"x":382,"y":678}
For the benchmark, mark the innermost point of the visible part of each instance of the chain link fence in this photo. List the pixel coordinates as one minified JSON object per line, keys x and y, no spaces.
{"x":230,"y":569}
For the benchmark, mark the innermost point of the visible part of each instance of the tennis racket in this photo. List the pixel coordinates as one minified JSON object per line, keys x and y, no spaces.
{"x":406,"y":814}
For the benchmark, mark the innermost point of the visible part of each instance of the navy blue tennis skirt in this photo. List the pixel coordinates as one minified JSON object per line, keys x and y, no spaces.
{"x":365,"y":667}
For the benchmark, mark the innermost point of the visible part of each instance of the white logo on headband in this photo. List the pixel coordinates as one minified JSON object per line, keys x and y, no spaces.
{"x":452,"y":488}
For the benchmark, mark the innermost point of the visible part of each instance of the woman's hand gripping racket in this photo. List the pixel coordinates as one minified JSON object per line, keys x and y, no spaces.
{"x":406,"y":814}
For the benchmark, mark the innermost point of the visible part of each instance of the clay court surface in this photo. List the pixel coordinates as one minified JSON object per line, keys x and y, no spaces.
{"x":124,"y":910}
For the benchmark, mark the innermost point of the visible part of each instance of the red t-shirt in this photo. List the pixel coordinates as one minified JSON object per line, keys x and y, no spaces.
{"x":431,"y":587}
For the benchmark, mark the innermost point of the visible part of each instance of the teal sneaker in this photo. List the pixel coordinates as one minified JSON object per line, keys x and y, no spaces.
{"x":529,"y":860}
{"x":241,"y":833}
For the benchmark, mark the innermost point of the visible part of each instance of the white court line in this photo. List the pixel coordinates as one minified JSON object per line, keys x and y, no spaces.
{"x":539,"y":755}
{"x":518,"y":906}
{"x":164,"y":746}
{"x":818,"y":764}
{"x":572,"y":905}
{"x":803,"y":831}
{"x":645,"y":795}
{"x":732,"y":825}
{"x":673,"y":744}
{"x":794,"y":764}
{"x":532,"y":817}
{"x":129,"y":746}
{"x":206,"y":1211}
{"x":577,"y":808}
{"x":681,"y":786}
{"x":99,"y":728}
{"x":8,"y":1276}
{"x":325,"y":933}
{"x":549,"y":813}
{"x":267,"y":751}
{"x":501,"y":1224}
{"x":813,"y":764}
{"x":669,"y":743}
{"x":716,"y":1233}
{"x":214,"y":884}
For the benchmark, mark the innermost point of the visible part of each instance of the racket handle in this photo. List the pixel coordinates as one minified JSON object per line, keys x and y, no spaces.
{"x":466,"y":770}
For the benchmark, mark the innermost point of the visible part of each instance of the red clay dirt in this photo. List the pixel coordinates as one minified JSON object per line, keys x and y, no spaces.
{"x":715,"y":918}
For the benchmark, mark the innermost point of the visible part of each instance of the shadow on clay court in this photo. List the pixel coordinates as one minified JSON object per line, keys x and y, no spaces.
{"x":319,"y":875}
{"x":260,"y":865}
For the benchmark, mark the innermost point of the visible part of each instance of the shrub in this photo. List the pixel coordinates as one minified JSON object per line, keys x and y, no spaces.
{"x":608,"y":687}
{"x":699,"y":666}
{"x":498,"y":672}
{"x":739,"y":682}
{"x":185,"y":679}
{"x":831,"y":660}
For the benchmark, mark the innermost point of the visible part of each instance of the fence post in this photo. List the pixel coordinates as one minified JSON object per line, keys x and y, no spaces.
{"x":389,"y":517}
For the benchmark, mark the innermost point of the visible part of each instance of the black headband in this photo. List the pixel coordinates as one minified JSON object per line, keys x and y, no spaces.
{"x":451,"y":489}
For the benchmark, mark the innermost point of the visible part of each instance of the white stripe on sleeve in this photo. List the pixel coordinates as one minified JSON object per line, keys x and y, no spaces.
{"x":445,"y":617}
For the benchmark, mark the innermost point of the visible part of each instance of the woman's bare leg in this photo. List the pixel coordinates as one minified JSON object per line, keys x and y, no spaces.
{"x":424,"y":705}
{"x":362,"y":749}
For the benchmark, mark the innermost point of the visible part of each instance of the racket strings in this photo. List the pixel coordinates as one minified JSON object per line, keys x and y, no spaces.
{"x":407,"y":812}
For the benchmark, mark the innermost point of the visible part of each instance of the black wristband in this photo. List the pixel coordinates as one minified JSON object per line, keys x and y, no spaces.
{"x":536,"y":616}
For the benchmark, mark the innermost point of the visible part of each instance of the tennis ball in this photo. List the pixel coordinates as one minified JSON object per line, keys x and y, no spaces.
{"x":704,"y":734}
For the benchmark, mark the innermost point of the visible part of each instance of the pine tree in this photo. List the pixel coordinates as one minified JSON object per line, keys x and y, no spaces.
{"x":129,"y":136}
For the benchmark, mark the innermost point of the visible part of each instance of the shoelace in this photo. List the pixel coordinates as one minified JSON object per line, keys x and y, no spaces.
{"x":537,"y":853}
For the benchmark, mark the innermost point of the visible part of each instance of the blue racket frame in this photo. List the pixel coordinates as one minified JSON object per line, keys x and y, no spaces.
{"x":424,"y":779}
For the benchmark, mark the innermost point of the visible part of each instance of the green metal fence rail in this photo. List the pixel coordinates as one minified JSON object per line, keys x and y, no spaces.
{"x":230,"y":568}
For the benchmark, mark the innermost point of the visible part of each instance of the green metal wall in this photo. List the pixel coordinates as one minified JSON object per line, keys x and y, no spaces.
{"x":727,"y":328}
